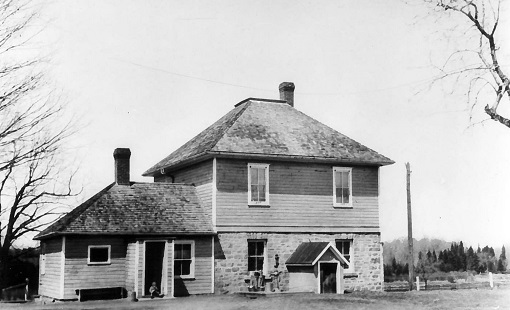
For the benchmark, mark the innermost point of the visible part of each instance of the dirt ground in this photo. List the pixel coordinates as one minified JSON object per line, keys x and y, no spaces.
{"x":453,"y":299}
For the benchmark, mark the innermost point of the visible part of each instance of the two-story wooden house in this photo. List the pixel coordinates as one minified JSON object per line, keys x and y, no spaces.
{"x":271,"y":178}
{"x":264,"y":189}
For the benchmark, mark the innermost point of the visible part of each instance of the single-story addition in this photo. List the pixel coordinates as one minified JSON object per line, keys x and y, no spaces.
{"x":126,"y":237}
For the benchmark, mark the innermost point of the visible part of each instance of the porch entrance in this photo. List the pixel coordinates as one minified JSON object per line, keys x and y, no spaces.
{"x":328,"y":275}
{"x":154,"y":254}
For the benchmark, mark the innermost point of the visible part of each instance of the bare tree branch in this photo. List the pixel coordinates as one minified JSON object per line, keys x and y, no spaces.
{"x":482,"y":16}
{"x":34,"y":180}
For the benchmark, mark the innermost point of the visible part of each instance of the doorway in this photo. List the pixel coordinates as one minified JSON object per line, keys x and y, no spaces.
{"x":328,"y":275}
{"x":154,"y":254}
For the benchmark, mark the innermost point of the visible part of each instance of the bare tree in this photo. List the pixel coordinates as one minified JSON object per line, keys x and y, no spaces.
{"x":33,"y":179}
{"x":477,"y":64}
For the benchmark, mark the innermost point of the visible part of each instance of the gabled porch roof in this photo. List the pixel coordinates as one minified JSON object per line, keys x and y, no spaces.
{"x":309,"y":253}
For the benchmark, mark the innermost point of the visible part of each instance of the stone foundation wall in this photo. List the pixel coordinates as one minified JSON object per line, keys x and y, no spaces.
{"x":231,"y":258}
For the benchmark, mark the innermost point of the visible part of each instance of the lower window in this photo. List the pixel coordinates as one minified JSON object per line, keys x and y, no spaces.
{"x":99,"y":254}
{"x":256,"y":255}
{"x":344,"y":246}
{"x":184,"y":259}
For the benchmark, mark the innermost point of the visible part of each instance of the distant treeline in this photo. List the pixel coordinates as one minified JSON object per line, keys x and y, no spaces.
{"x":456,"y":258}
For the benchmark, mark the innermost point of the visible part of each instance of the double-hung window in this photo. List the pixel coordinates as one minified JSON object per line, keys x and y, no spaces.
{"x":99,"y":254}
{"x":257,"y":255}
{"x":184,"y":259}
{"x":258,"y":184}
{"x":344,"y":246}
{"x":342,"y":187}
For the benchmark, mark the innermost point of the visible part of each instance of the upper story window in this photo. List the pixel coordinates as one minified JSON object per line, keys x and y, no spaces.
{"x":184,"y":258}
{"x":99,"y":254}
{"x":258,"y":184}
{"x":342,"y":187}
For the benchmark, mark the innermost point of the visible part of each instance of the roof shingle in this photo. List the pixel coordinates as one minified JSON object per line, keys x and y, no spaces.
{"x":271,"y":128}
{"x":309,"y":252}
{"x":137,"y":209}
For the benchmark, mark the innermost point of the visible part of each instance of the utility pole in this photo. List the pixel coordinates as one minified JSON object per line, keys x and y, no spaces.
{"x":410,"y":228}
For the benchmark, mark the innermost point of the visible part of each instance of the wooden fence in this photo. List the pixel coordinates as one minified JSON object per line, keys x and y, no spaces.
{"x":477,"y":281}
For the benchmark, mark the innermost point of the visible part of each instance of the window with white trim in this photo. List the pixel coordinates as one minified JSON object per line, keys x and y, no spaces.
{"x":99,"y":254}
{"x":184,"y":258}
{"x":258,"y":184}
{"x":42,"y":264}
{"x":344,"y":246}
{"x":257,"y":255}
{"x":42,"y":259}
{"x":342,"y":187}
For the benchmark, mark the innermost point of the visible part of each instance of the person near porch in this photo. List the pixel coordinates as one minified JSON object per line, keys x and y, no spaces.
{"x":154,"y":291}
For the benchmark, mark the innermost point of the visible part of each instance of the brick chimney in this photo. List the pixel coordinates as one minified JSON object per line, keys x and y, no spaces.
{"x":287,"y":92}
{"x":121,"y":156}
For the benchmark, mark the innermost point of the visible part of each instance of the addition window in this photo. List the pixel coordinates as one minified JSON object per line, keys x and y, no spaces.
{"x":42,"y":259}
{"x":42,"y":263}
{"x":344,"y":246}
{"x":342,"y":187}
{"x":258,"y":184}
{"x":99,"y":254}
{"x":184,"y":259}
{"x":257,"y":255}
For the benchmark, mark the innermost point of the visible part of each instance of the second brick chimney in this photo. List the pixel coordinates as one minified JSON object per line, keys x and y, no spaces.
{"x":121,"y":156}
{"x":287,"y":92}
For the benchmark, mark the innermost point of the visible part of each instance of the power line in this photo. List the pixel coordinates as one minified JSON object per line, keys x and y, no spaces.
{"x":189,"y":76}
{"x":415,"y":83}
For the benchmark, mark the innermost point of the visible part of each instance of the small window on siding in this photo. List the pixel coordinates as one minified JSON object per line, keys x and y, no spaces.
{"x":344,"y":246}
{"x":184,"y":258}
{"x":258,"y":184}
{"x":99,"y":254}
{"x":42,"y":259}
{"x":42,"y":264}
{"x":342,"y":187}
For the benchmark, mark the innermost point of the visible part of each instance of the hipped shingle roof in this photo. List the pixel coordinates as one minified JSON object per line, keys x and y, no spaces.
{"x":270,"y":128}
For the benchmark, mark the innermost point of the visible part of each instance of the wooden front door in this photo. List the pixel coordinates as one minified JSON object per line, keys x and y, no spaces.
{"x":328,"y":278}
{"x":154,"y":253}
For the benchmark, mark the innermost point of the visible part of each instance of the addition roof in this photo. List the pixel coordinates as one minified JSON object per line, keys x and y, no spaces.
{"x":136,"y":209}
{"x":308,"y":253}
{"x":270,"y":129}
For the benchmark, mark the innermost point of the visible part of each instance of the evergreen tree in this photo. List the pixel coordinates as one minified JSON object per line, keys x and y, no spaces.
{"x":476,"y":261}
{"x":394,"y":266}
{"x":429,"y":256}
{"x":471,"y":260}
{"x":491,"y":252}
{"x":388,"y":271}
{"x":502,"y":263}
{"x":462,"y":257}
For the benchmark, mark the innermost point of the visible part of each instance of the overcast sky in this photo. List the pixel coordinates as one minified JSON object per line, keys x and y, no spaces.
{"x":150,"y":75}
